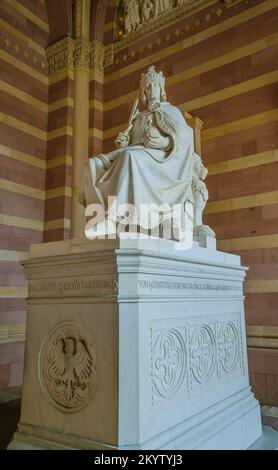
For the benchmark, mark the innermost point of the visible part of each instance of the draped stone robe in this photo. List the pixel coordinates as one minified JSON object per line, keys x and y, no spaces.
{"x":155,"y":168}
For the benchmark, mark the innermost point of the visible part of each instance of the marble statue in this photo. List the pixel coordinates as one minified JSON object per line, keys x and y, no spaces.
{"x":162,"y":5}
{"x":140,"y":12}
{"x":132,"y":15}
{"x":147,"y":10}
{"x":200,"y":195}
{"x":153,"y":161}
{"x":148,"y":340}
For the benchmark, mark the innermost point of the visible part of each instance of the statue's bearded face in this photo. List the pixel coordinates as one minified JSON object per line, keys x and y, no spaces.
{"x":152,"y":91}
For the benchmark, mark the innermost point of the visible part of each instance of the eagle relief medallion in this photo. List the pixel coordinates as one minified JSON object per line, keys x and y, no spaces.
{"x":68,"y":367}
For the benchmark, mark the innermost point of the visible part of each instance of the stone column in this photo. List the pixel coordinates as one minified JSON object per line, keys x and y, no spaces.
{"x":80,"y":134}
{"x":82,"y":58}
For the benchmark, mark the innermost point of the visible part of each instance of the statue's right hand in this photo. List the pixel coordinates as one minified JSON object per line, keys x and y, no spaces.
{"x":122,"y":140}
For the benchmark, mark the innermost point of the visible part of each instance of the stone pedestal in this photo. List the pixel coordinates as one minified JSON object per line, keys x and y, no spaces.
{"x":132,"y":344}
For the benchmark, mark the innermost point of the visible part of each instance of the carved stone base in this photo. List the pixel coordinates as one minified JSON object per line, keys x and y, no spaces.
{"x":134,"y":344}
{"x":206,"y":241}
{"x":203,"y":231}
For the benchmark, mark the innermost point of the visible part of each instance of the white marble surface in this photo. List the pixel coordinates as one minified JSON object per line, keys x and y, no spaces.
{"x":167,"y":332}
{"x":152,"y":164}
{"x":189,"y":319}
{"x":268,"y":440}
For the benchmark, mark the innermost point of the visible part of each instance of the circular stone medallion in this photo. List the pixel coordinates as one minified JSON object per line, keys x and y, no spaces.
{"x":67,"y":367}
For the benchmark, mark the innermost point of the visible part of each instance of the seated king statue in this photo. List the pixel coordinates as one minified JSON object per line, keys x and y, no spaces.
{"x":153,"y":159}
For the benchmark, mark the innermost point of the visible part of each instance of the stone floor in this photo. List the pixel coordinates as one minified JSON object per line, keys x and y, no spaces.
{"x":10,"y":413}
{"x":269,"y":440}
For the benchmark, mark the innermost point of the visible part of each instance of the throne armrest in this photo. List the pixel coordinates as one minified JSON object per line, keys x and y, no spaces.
{"x":196,"y":124}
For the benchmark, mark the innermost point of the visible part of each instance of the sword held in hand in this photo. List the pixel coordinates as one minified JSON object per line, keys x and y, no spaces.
{"x":132,"y":115}
{"x":124,"y":134}
{"x":123,"y":137}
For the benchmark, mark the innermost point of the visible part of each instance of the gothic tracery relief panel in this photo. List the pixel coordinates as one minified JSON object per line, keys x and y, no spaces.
{"x":189,"y":355}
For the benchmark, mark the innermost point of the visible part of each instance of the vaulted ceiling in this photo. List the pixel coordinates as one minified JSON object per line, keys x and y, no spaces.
{"x":61,"y":18}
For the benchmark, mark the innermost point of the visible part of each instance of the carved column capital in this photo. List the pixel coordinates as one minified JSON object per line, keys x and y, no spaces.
{"x":77,"y":53}
{"x":82,"y":53}
{"x":109,"y":55}
{"x":97,"y":57}
{"x":60,"y":55}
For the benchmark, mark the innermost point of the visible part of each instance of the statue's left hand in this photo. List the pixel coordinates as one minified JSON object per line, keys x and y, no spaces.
{"x":152,"y":132}
{"x":154,"y":139}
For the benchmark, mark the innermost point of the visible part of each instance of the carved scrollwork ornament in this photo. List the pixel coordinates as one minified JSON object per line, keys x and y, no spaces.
{"x":68,"y":367}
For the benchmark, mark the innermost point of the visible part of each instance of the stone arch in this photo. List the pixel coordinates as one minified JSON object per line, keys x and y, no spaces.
{"x":111,"y":18}
{"x":99,"y":11}
{"x":60,"y":19}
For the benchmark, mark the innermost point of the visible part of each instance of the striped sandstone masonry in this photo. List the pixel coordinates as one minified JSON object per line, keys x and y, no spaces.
{"x":220,"y":64}
{"x":59,"y":155}
{"x":23,"y":128}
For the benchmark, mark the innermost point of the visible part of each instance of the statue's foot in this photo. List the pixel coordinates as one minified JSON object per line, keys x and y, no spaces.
{"x":203,"y":230}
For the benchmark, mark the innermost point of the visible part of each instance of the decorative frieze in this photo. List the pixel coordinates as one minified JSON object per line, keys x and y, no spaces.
{"x":60,"y":55}
{"x":179,"y":10}
{"x":81,"y":53}
{"x":152,"y":16}
{"x":138,"y":13}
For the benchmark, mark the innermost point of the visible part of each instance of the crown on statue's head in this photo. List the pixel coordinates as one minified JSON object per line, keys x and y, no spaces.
{"x":152,"y":77}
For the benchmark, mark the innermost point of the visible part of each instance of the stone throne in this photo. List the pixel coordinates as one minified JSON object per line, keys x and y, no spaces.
{"x":133,"y":344}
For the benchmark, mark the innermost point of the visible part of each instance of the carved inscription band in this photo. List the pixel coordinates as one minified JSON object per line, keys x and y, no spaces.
{"x":87,"y":286}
